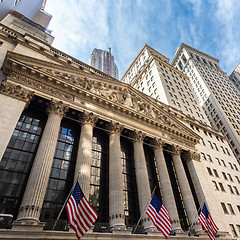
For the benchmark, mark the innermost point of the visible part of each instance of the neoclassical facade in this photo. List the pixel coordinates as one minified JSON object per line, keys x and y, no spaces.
{"x":61,"y":124}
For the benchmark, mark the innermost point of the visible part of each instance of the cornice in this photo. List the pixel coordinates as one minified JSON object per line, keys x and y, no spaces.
{"x":114,"y":96}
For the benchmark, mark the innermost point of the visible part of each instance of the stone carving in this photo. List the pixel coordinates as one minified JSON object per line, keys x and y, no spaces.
{"x":137,"y":136}
{"x":176,"y":149}
{"x":192,"y":155}
{"x":16,"y":91}
{"x":88,"y":118}
{"x":57,"y":107}
{"x":114,"y":127}
{"x":127,"y":99}
{"x":158,"y":142}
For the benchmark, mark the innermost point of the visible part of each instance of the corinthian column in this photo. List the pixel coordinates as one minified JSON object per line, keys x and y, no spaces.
{"x":33,"y":198}
{"x":84,"y":156}
{"x":185,"y":189}
{"x":143,"y":186}
{"x":116,"y":201}
{"x":165,"y":183}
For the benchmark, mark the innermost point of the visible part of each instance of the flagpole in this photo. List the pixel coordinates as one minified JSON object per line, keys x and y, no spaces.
{"x":195,"y":217}
{"x":55,"y":223}
{"x":144,"y":209}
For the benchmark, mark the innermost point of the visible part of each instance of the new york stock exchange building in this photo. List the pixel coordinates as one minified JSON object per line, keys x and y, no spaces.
{"x":62,"y":120}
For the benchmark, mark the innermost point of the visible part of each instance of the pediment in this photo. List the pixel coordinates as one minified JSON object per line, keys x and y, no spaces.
{"x":109,"y":90}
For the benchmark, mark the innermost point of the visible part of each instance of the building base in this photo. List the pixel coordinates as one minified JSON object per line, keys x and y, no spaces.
{"x":28,"y":226}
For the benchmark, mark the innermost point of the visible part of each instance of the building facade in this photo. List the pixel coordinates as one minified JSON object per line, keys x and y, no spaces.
{"x":235,"y":76}
{"x":63,"y":120}
{"x":103,"y":61}
{"x":218,"y":96}
{"x":151,"y":73}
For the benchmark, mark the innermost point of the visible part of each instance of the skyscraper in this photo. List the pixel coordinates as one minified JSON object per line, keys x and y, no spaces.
{"x":103,"y":61}
{"x":235,"y":76}
{"x":218,"y":96}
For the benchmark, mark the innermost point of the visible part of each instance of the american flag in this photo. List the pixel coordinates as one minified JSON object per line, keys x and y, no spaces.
{"x":207,"y":222}
{"x":81,"y":215}
{"x":159,"y":216}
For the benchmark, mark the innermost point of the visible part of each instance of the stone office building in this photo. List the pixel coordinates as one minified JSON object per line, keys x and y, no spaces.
{"x":62,"y":120}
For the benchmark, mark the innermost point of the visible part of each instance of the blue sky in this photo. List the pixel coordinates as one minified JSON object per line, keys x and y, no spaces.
{"x":212,"y":26}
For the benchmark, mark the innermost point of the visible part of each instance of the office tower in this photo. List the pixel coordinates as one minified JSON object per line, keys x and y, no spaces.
{"x":218,"y":95}
{"x":235,"y":76}
{"x":151,"y":73}
{"x":103,"y":61}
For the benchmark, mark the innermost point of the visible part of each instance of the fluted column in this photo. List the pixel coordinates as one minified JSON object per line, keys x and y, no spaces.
{"x":165,"y":183}
{"x":33,"y":198}
{"x":116,"y":201}
{"x":143,"y":186}
{"x":185,"y":189}
{"x":84,"y":156}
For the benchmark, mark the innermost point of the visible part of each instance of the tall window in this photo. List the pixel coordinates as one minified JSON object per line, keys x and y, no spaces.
{"x":131,"y":209}
{"x":62,"y":172}
{"x":98,"y":196}
{"x":18,"y":158}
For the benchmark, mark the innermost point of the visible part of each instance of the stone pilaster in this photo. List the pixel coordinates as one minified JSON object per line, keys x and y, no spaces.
{"x":17,"y":98}
{"x":84,"y":156}
{"x":185,"y":190}
{"x":116,"y":201}
{"x":165,"y":183}
{"x":143,"y":186}
{"x":33,"y":198}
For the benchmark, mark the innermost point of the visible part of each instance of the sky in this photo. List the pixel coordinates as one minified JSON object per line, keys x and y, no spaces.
{"x":211,"y":26}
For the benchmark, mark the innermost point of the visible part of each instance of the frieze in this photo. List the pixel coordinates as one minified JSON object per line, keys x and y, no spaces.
{"x":16,"y":91}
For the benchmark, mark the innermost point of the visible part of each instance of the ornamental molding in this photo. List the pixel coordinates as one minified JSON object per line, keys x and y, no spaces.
{"x":79,"y":87}
{"x":16,"y":91}
{"x":137,"y":136}
{"x":57,"y":107}
{"x":158,"y":143}
{"x":192,"y":155}
{"x":114,"y":127}
{"x":88,"y":118}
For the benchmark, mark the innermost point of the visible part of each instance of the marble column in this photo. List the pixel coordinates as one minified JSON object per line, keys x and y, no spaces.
{"x":185,"y":190}
{"x":116,"y":201}
{"x":84,"y":156}
{"x":13,"y":100}
{"x":33,"y":198}
{"x":166,"y":187}
{"x":143,"y":186}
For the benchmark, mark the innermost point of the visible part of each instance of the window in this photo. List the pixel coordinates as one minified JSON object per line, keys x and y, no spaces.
{"x":209,"y":171}
{"x":218,"y":161}
{"x":224,"y":208}
{"x":215,"y":146}
{"x":210,"y":143}
{"x":209,"y":158}
{"x":224,"y":175}
{"x":230,"y":177}
{"x":235,"y":167}
{"x":215,"y":186}
{"x":237,"y":179}
{"x":236,"y":190}
{"x":221,"y":187}
{"x":233,"y":230}
{"x":230,"y":188}
{"x":231,"y":166}
{"x":230,"y":208}
{"x":215,"y":173}
{"x":224,"y":164}
{"x":203,"y":156}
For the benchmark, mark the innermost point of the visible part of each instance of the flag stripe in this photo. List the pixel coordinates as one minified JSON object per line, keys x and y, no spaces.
{"x":207,"y":222}
{"x":159,"y":216}
{"x":81,"y":215}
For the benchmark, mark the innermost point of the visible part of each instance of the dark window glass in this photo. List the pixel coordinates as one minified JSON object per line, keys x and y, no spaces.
{"x":131,"y":208}
{"x":98,"y":196}
{"x":18,"y":158}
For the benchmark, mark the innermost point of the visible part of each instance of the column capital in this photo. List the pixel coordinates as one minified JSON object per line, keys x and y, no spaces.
{"x":176,"y":150}
{"x":57,"y":107}
{"x":158,"y":143}
{"x":137,"y":136}
{"x":191,"y":155}
{"x":89,"y":118}
{"x":16,"y":91}
{"x":114,"y":127}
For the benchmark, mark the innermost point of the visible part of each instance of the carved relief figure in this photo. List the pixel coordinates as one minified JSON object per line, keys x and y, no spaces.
{"x":127,"y":100}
